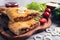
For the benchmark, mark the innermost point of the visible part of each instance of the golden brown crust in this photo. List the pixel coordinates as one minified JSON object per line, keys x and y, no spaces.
{"x":16,"y":26}
{"x":16,"y":13}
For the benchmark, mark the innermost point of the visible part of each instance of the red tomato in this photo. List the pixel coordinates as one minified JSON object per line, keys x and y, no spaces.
{"x":48,"y":10}
{"x":46,"y":14}
{"x":43,"y":20}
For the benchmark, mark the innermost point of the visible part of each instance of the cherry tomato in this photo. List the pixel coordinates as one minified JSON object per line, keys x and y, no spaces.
{"x":43,"y":20}
{"x":48,"y":10}
{"x":11,"y":4}
{"x":46,"y":14}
